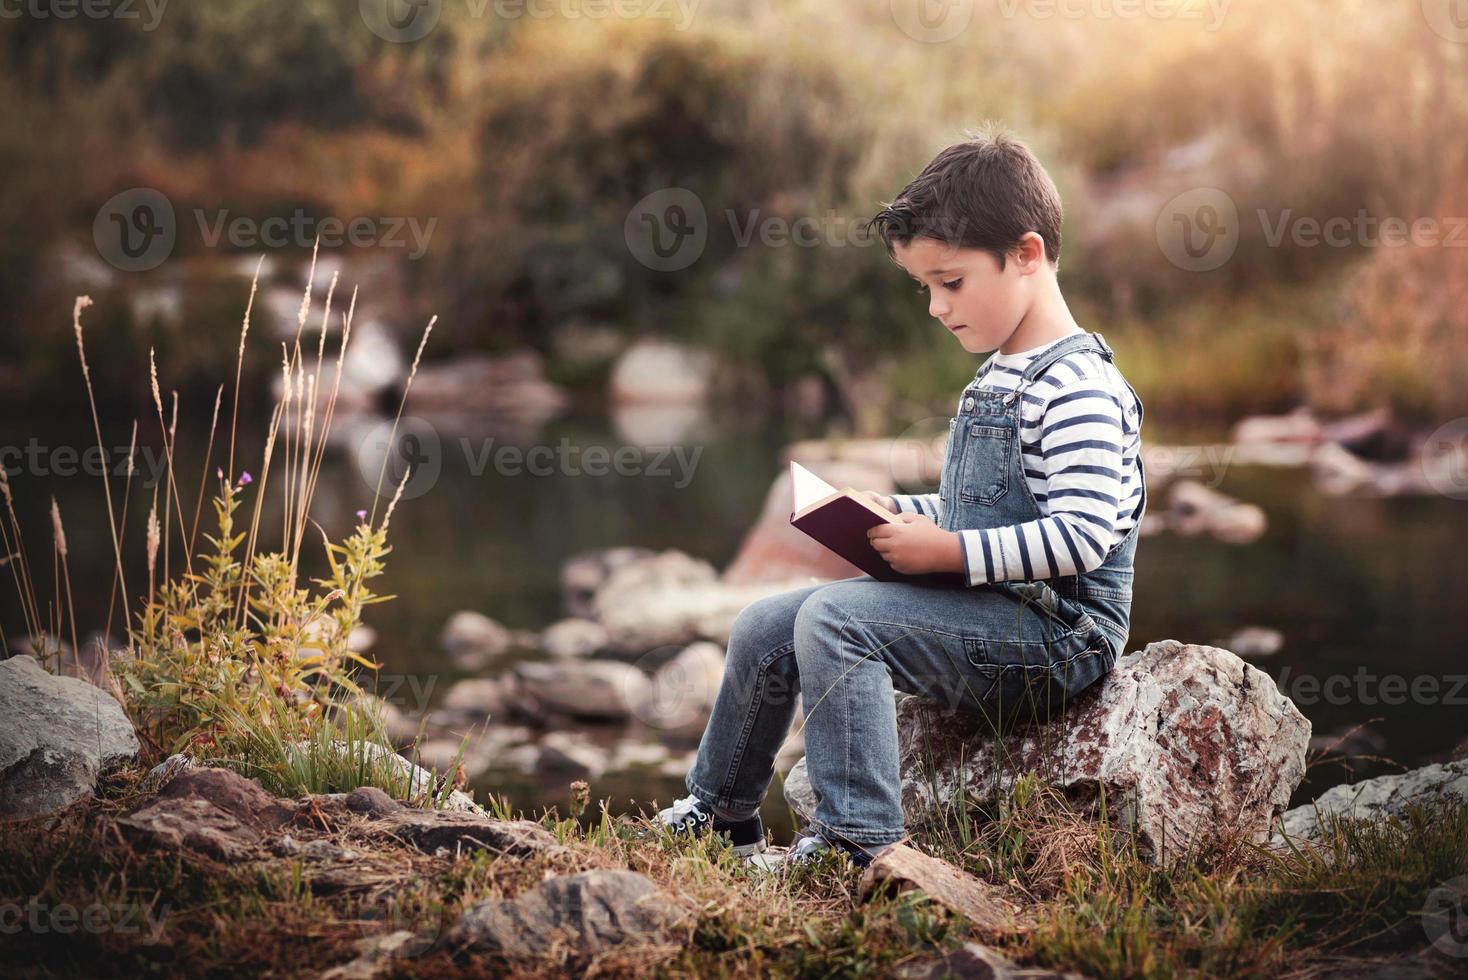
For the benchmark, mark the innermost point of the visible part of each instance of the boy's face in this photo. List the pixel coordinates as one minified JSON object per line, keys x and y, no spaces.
{"x":979,"y":303}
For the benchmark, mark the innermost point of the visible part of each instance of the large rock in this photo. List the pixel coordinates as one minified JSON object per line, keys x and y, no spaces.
{"x":681,"y":696}
{"x":59,"y":734}
{"x":1188,"y":742}
{"x":473,"y":639}
{"x":583,"y":914}
{"x":600,"y":689}
{"x":509,"y":385}
{"x":1379,"y":798}
{"x":670,"y":600}
{"x":584,"y":572}
{"x":213,"y":811}
{"x":660,"y":371}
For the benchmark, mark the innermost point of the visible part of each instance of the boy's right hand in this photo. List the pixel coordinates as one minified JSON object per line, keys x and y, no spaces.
{"x":882,"y":500}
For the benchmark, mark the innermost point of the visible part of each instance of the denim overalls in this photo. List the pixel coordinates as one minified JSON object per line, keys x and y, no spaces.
{"x":1012,"y":650}
{"x":984,"y":486}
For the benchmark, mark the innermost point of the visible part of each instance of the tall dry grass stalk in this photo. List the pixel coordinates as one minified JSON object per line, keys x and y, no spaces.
{"x":82,"y":302}
{"x":58,"y":532}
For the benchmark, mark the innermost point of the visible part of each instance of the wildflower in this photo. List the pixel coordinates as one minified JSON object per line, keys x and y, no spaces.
{"x":361,"y":515}
{"x":245,"y":478}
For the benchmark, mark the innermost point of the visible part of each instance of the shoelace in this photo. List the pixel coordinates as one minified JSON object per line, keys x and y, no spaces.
{"x":682,"y":809}
{"x":807,"y":846}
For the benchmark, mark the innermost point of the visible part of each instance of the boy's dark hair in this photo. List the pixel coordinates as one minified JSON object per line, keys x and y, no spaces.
{"x":985,"y":192}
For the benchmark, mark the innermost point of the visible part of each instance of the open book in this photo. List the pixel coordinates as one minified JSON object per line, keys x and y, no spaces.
{"x":840,"y":519}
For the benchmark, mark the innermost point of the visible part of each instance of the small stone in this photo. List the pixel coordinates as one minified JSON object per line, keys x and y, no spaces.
{"x":591,"y":911}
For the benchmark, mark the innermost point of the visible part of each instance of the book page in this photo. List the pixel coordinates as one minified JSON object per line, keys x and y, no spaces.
{"x":807,"y":487}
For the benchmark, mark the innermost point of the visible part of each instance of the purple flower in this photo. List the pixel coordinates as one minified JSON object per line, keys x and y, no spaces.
{"x":245,"y":478}
{"x":361,"y":515}
{"x":220,"y":471}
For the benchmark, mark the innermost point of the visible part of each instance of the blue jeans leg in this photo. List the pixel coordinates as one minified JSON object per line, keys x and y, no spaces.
{"x":754,"y":707}
{"x":981,"y":649}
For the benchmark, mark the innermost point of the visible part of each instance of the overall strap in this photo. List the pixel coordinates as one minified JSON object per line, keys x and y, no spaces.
{"x":1089,"y":341}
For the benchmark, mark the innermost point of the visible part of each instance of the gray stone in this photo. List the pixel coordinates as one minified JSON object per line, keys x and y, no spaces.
{"x":573,"y":637}
{"x":432,"y":830}
{"x":59,"y":735}
{"x":1377,"y":799}
{"x":1189,"y":744}
{"x":591,"y":912}
{"x":599,"y":689}
{"x":215,"y":812}
{"x":473,"y":639}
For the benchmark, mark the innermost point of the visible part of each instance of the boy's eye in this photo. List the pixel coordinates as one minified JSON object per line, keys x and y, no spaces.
{"x":954,"y":284}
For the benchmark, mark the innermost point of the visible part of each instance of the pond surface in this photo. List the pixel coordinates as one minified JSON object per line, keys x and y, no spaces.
{"x":1364,"y":590}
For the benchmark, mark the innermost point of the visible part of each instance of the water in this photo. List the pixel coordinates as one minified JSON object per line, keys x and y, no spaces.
{"x":1362,"y":589}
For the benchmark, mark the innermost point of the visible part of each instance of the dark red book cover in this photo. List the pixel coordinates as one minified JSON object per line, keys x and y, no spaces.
{"x":841,"y":525}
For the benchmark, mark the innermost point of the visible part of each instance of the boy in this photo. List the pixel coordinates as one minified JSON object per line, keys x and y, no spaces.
{"x":1038,"y":509}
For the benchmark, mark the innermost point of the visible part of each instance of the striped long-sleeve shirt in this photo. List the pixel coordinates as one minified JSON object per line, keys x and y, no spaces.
{"x":1079,"y":442}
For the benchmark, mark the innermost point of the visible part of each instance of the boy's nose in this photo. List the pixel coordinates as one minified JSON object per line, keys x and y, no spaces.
{"x":936,"y":307}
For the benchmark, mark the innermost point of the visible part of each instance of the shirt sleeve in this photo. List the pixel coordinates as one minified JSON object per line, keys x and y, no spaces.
{"x":1081,"y":440}
{"x":917,"y":503}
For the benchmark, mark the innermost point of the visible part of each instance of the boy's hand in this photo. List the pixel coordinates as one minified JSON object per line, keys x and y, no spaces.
{"x":882,"y":501}
{"x":917,"y":546}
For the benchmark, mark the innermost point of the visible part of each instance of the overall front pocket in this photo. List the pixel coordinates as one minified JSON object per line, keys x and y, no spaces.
{"x":983,"y":471}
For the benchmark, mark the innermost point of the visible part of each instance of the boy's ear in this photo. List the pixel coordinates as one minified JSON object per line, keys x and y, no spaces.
{"x":1029,"y":254}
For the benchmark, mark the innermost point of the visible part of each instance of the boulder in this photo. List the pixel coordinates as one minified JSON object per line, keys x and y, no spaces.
{"x":1379,"y":798}
{"x":573,"y":637}
{"x":432,"y":830}
{"x":473,"y":639}
{"x":59,"y":735}
{"x":215,"y":812}
{"x":1189,"y":744}
{"x":584,"y":914}
{"x":670,"y":600}
{"x":583,"y":573}
{"x":681,"y":696}
{"x":593,"y":689}
{"x":509,"y":385}
{"x":479,"y":697}
{"x":660,"y":371}
{"x":1196,"y":509}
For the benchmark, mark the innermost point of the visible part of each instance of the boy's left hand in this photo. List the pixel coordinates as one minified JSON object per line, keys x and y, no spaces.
{"x":917,"y":546}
